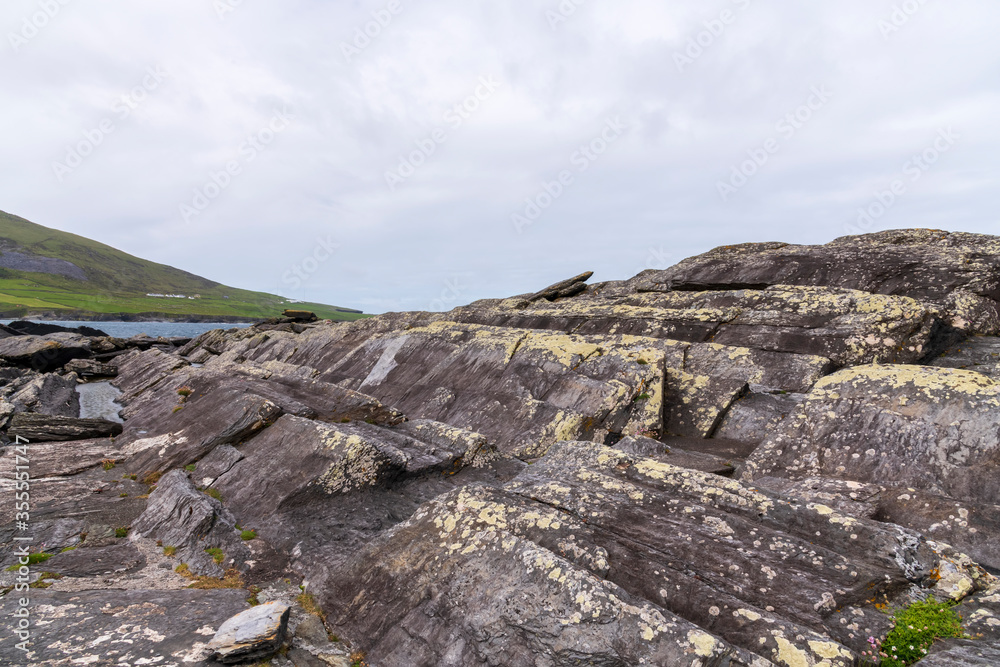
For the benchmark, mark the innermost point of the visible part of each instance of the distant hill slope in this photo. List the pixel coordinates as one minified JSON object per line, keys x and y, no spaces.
{"x":48,"y":273}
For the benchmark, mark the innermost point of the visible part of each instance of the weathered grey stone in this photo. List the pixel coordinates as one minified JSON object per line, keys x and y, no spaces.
{"x":44,"y":353}
{"x":977,"y":353}
{"x":181,"y":516}
{"x":252,"y":634}
{"x":964,"y":653}
{"x":935,"y":430}
{"x":120,"y":627}
{"x":163,"y":435}
{"x":49,"y":394}
{"x":638,"y":445}
{"x":85,"y":561}
{"x":563,"y":288}
{"x":958,"y":272}
{"x":89,"y":368}
{"x":683,"y":546}
{"x":49,"y":428}
{"x":753,"y":416}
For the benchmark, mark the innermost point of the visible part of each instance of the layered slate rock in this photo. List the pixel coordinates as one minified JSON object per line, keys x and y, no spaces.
{"x":847,"y":326}
{"x":956,"y":272}
{"x":526,"y":389}
{"x":937,"y":430}
{"x":929,"y":434}
{"x":35,"y":427}
{"x":181,"y":516}
{"x":595,"y":555}
{"x":44,"y":353}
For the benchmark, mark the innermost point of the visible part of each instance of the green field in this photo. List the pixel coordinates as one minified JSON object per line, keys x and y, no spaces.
{"x":117,"y":284}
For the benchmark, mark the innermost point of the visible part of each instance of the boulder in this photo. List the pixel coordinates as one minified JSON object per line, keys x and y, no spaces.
{"x":254,"y":634}
{"x":44,"y":353}
{"x":90,"y":368}
{"x":48,"y":394}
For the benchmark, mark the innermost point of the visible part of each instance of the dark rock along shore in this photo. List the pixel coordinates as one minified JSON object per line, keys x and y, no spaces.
{"x":749,"y":458}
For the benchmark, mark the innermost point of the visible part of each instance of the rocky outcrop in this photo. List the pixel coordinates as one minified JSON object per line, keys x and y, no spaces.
{"x":957,"y":273}
{"x":746,"y":459}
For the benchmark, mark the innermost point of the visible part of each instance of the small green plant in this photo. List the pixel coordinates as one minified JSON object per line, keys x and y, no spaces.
{"x":357,"y":659}
{"x":123,"y":495}
{"x":108,"y":464}
{"x":216,"y":553}
{"x":184,"y":392}
{"x":190,"y":467}
{"x":914,"y":630}
{"x":67,"y":549}
{"x":33,"y":559}
{"x":177,"y":408}
{"x":214,"y":493}
{"x":170,"y":551}
{"x":183,"y":570}
{"x":345,"y":420}
{"x":128,"y":476}
{"x":121,"y":532}
{"x":252,"y":600}
{"x":642,"y":397}
{"x":642,"y":362}
{"x":248,"y":534}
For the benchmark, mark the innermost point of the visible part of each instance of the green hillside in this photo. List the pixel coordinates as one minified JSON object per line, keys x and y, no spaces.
{"x":96,"y":281}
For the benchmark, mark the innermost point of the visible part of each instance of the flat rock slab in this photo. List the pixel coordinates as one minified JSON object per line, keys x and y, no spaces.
{"x":120,"y":627}
{"x":96,"y":561}
{"x":50,"y":428}
{"x":44,"y":353}
{"x":251,"y":635}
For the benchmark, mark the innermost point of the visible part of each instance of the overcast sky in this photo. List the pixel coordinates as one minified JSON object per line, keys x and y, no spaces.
{"x":464,"y":149}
